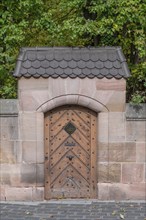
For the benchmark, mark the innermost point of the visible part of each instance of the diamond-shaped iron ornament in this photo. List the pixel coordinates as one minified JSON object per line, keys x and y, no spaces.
{"x":70,"y":128}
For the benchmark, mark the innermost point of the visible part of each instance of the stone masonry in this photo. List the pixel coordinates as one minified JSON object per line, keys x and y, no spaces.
{"x":121,"y":168}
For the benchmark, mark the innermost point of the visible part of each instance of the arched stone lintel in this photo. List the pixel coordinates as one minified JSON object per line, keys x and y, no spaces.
{"x":72,"y":99}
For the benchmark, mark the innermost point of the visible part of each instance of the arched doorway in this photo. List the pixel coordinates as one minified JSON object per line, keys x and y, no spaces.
{"x":70,"y":153}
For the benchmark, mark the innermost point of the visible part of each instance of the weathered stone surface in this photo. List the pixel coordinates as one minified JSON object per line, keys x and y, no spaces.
{"x":117,"y":192}
{"x":18,"y":194}
{"x":87,"y":87}
{"x":21,"y":193}
{"x":9,"y":107}
{"x":9,"y":129}
{"x":33,"y":84}
{"x":116,"y":125}
{"x":116,"y":102}
{"x":72,"y":86}
{"x":40,"y":174}
{"x":132,"y":173}
{"x":122,"y":152}
{"x":135,"y":131}
{"x":40,"y":152}
{"x":27,"y":126}
{"x":18,"y":151}
{"x":112,"y":84}
{"x":120,"y":191}
{"x":5,"y":178}
{"x":102,"y":127}
{"x":129,"y":152}
{"x":109,"y":172}
{"x":103,"y":97}
{"x":127,"y":191}
{"x":111,"y":93}
{"x":103,"y":191}
{"x":111,"y":127}
{"x":10,"y":174}
{"x":39,"y":126}
{"x":77,"y":99}
{"x":141,"y":152}
{"x":7,"y":152}
{"x":29,"y":151}
{"x":27,"y":101}
{"x":117,"y":152}
{"x":2,"y":193}
{"x":103,"y":152}
{"x":58,"y":87}
{"x":136,"y":111}
{"x":28,"y":175}
{"x":37,"y":193}
{"x":136,"y":191}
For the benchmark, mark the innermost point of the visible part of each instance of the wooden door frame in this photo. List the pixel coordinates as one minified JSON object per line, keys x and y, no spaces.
{"x":93,"y":160}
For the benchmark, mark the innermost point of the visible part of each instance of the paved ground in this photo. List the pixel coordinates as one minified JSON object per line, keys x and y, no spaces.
{"x":73,"y":210}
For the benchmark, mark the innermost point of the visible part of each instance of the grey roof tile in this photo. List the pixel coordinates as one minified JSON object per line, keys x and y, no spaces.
{"x":99,"y":64}
{"x":108,"y":64}
{"x":67,"y":56}
{"x":85,"y":55}
{"x":100,"y":76}
{"x":104,"y":71}
{"x":90,"y":64}
{"x":72,"y":62}
{"x":86,"y":71}
{"x":117,"y":64}
{"x":41,"y":56}
{"x":113,"y":72}
{"x":102,"y":56}
{"x":68,"y":71}
{"x":81,"y":64}
{"x":31,"y":56}
{"x":63,"y":75}
{"x":36,"y":64}
{"x":54,"y":64}
{"x":63,"y":64}
{"x":26,"y":64}
{"x":45,"y":64}
{"x":55,"y":75}
{"x":50,"y":55}
{"x":50,"y":71}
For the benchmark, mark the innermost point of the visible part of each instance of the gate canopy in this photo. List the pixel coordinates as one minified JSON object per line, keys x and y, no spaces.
{"x":108,"y":62}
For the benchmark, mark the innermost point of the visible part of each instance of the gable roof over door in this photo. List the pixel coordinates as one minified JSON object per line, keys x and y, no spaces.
{"x":71,"y":62}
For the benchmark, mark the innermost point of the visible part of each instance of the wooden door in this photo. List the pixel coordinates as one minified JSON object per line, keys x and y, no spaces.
{"x":70,"y":153}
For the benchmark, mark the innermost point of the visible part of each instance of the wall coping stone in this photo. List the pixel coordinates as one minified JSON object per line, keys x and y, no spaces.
{"x":9,"y":107}
{"x":136,"y":111}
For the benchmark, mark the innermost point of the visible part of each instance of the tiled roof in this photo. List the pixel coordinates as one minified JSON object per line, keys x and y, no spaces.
{"x":71,"y":62}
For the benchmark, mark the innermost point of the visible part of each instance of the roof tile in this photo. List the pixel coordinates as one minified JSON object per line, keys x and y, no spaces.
{"x":36,"y":64}
{"x":27,"y":64}
{"x":72,"y":62}
{"x":41,"y":56}
{"x":31,"y":56}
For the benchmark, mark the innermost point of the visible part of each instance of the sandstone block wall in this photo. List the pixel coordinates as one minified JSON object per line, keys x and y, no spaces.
{"x":121,"y":148}
{"x":122,"y":155}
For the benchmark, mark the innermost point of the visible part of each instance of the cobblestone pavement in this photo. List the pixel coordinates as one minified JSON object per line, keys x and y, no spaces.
{"x":73,"y":210}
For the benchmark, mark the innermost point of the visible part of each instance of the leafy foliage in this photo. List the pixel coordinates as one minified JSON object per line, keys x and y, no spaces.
{"x":74,"y":23}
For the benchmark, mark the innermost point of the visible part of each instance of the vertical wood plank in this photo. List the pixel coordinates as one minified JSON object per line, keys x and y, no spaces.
{"x":46,"y":157}
{"x":93,"y":183}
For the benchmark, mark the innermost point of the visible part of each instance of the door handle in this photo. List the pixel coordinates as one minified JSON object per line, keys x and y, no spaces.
{"x":70,"y":157}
